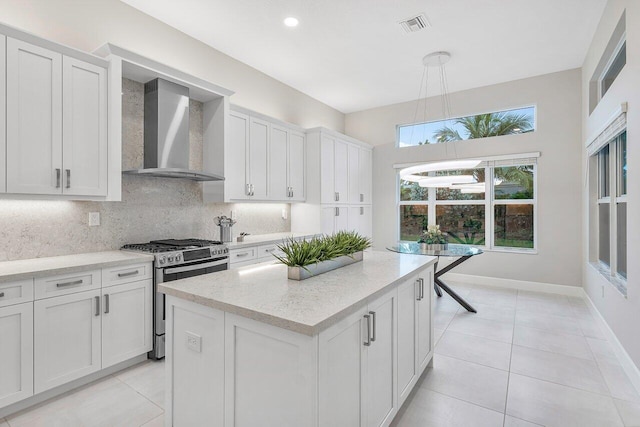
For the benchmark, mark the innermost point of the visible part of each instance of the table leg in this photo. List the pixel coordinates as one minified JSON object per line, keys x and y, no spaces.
{"x":435,"y":285}
{"x":439,"y":284}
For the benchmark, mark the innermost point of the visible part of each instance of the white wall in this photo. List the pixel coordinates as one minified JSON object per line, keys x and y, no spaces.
{"x":558,"y":100}
{"x":622,"y":314}
{"x":88,"y":24}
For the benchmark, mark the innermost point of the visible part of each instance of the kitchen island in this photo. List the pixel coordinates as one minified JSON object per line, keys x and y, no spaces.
{"x":248,"y":347}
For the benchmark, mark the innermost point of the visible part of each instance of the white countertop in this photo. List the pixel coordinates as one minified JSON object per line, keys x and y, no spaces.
{"x":262,"y":291}
{"x":263,"y":239}
{"x":38,"y":267}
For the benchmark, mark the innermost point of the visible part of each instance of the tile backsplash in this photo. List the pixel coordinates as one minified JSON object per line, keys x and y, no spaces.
{"x":151,"y":208}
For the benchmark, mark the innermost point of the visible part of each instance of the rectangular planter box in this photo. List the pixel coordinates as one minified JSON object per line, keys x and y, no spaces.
{"x":300,"y":273}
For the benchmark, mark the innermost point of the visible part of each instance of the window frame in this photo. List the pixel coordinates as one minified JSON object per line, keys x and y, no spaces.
{"x":614,"y":55}
{"x":489,"y":203}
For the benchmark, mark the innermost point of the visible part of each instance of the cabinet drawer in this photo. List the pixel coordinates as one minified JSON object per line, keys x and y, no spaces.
{"x":46,"y":287}
{"x":125,"y":274}
{"x":265,"y":252}
{"x":242,"y":255}
{"x":16,"y":292}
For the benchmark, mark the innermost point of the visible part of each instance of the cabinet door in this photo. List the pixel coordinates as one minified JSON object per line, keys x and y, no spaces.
{"x":258,"y":158}
{"x":327,"y":167}
{"x":3,"y":114}
{"x":365,"y":179}
{"x":126,"y":321}
{"x":278,"y":161}
{"x":360,"y":220}
{"x":342,"y":218}
{"x":297,"y":166}
{"x":34,"y":119}
{"x":235,"y":170}
{"x":341,"y":171}
{"x":328,"y":220}
{"x":407,"y":335}
{"x":67,"y":338}
{"x":354,"y":174}
{"x":16,"y":353}
{"x":84,"y":137}
{"x":424,"y":321}
{"x":380,"y":379}
{"x":341,"y":372}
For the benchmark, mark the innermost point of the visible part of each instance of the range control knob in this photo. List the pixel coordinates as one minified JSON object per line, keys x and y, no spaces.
{"x":162,"y":260}
{"x":170,"y":259}
{"x":178,"y":257}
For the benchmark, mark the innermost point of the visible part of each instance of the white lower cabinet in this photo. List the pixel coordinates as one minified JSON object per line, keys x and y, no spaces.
{"x":126,"y":321}
{"x":424,"y":319}
{"x":16,"y":353}
{"x":67,"y":338}
{"x":408,"y":293}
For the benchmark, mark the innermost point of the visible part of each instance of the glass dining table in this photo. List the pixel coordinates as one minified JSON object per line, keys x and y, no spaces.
{"x":462,"y":252}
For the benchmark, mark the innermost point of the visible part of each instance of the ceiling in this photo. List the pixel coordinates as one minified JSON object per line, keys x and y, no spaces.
{"x":353,"y":55}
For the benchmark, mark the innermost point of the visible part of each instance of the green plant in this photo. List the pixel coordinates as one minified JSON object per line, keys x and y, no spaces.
{"x":433,"y":236}
{"x":300,"y":253}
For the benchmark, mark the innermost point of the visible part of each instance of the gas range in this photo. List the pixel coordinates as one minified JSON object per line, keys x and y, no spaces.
{"x":172,"y":252}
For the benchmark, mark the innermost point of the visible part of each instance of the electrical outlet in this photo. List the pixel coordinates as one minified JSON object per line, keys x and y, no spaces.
{"x":94,"y":219}
{"x":194,"y":342}
{"x":284,"y":214}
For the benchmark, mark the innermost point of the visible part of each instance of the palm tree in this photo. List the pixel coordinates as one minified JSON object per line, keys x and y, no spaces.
{"x":486,"y":125}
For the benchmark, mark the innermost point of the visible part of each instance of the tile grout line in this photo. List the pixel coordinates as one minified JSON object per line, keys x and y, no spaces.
{"x":146,"y":398}
{"x":513,"y":334}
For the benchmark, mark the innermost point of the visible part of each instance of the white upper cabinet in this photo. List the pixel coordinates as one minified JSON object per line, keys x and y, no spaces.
{"x":84,"y":141}
{"x":3,"y":112}
{"x":34,"y":119}
{"x":258,"y":158}
{"x":327,"y":167}
{"x":278,"y":160}
{"x":56,"y":112}
{"x":341,"y":171}
{"x":365,"y":166}
{"x":297,"y":166}
{"x":236,"y":183}
{"x":264,"y":160}
{"x":354,"y":174}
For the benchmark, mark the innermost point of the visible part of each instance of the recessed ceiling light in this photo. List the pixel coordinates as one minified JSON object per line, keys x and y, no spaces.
{"x":291,"y":21}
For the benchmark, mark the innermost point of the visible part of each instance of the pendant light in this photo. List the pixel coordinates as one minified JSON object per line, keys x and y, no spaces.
{"x":414,"y":173}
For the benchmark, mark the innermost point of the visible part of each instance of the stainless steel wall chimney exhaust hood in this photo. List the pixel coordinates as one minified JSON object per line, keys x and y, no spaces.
{"x":166,"y":133}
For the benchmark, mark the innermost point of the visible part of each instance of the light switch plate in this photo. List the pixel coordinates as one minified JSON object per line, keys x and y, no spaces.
{"x":194,"y":342}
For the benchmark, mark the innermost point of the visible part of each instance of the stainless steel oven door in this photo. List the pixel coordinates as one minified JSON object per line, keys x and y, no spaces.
{"x":169,"y":274}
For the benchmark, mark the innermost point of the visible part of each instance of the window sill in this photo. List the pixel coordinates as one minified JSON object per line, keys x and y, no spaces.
{"x":619,"y":283}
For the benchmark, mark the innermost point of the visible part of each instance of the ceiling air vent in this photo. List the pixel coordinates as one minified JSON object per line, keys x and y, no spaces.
{"x":416,"y":23}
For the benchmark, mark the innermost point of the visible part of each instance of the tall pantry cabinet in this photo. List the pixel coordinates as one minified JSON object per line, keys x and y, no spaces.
{"x":339,"y":175}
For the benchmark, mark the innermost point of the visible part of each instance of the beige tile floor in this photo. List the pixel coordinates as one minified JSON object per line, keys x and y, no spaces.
{"x":525,"y":359}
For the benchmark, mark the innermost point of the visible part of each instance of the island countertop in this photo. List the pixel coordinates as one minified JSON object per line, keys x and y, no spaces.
{"x":262,"y":291}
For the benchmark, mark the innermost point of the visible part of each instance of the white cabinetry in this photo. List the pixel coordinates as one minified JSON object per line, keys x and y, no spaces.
{"x":67,"y":338}
{"x":424,"y":319}
{"x":126,"y":321}
{"x":16,"y":353}
{"x":264,"y":160}
{"x":56,"y":111}
{"x":3,"y":114}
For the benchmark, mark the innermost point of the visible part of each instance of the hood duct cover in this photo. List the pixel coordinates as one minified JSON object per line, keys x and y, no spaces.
{"x":166,"y":133}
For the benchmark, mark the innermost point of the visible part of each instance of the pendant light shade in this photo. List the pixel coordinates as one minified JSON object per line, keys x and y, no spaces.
{"x":445,"y":181}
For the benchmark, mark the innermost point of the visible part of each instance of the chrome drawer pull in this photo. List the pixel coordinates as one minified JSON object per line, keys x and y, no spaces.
{"x":1,"y":294}
{"x":128,"y":273}
{"x":106,"y":304}
{"x":97,"y":306}
{"x":373,"y":316}
{"x":58,"y":178}
{"x":75,"y":282}
{"x":242,"y":254}
{"x":367,"y":343}
{"x":68,"y":178}
{"x":419,"y":298}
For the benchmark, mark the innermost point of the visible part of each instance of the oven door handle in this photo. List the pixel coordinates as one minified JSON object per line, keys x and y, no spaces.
{"x":196,"y":266}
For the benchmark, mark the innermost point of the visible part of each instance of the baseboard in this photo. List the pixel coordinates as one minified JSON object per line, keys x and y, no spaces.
{"x":57,"y":391}
{"x":625,"y":360}
{"x":521,"y":285}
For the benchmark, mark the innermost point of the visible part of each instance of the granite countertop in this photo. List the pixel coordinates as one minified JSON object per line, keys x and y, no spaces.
{"x":262,"y":291}
{"x":38,"y":267}
{"x":263,"y":239}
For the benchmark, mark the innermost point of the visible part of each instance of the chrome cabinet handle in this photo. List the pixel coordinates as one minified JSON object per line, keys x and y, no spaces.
{"x":270,"y":250}
{"x":248,"y":190}
{"x":421,"y":280}
{"x":242,"y":254}
{"x":128,"y":273}
{"x":68,"y":178}
{"x":361,"y":210}
{"x":75,"y":282}
{"x":1,"y":294}
{"x":58,"y":178}
{"x":361,"y":197}
{"x":419,"y":297}
{"x":97,"y":306}
{"x":337,"y":196}
{"x":253,"y":193}
{"x":367,"y":343}
{"x":373,"y":317}
{"x":106,"y":304}
{"x":337,"y":211}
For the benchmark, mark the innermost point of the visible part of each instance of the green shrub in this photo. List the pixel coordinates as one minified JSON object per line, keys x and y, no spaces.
{"x":305,"y":252}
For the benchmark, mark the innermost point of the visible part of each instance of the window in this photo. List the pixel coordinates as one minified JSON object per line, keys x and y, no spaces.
{"x":499,"y":123}
{"x":611,"y":64}
{"x":497,"y":212}
{"x":610,"y":74}
{"x":611,"y":211}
